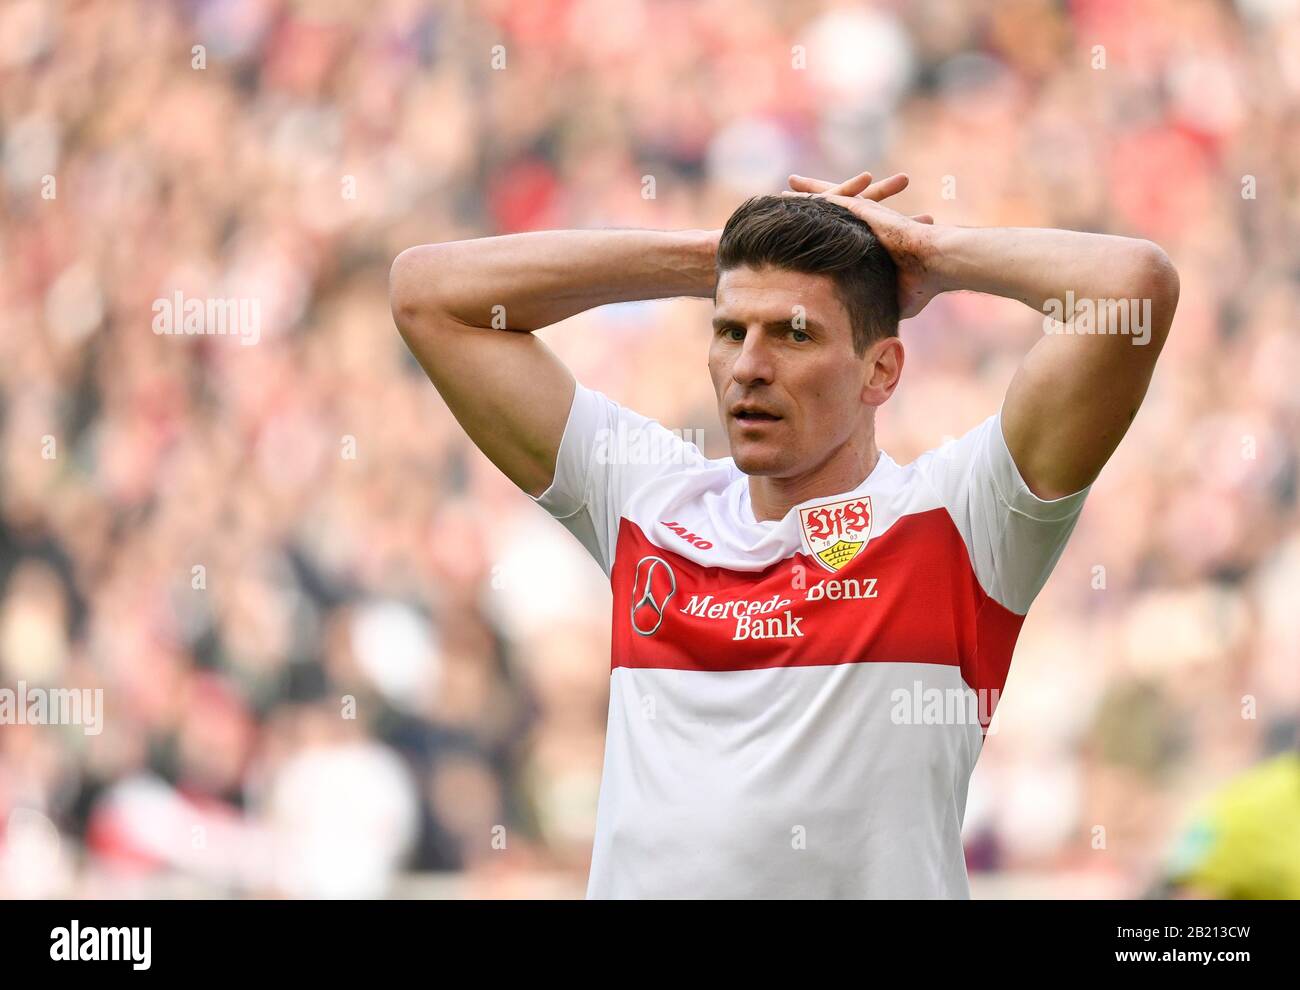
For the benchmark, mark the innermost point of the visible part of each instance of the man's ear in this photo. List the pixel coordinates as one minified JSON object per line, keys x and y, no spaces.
{"x":882,"y":368}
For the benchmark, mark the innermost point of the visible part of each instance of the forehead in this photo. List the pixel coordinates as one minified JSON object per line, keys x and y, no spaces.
{"x":768,"y":293}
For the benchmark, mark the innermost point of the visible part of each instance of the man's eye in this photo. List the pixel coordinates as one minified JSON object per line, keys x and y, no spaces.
{"x":800,"y":336}
{"x":734,"y":333}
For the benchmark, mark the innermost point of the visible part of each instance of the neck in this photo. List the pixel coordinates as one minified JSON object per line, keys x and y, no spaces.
{"x":771,"y":498}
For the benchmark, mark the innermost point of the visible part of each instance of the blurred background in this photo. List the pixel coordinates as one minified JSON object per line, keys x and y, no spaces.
{"x":341,"y":656}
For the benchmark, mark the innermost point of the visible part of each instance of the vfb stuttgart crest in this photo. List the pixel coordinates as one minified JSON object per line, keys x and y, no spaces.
{"x":837,"y":532}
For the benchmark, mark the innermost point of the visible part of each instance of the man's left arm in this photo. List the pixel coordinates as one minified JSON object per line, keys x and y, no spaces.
{"x":1075,"y":394}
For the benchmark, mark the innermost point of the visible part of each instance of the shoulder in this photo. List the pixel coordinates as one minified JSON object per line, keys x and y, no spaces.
{"x":978,"y":465}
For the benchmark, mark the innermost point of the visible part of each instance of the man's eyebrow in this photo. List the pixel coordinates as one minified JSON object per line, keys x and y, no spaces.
{"x":807,"y":324}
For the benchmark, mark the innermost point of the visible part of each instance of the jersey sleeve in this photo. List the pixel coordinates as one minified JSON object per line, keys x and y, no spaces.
{"x":1014,"y":537}
{"x":607,"y":453}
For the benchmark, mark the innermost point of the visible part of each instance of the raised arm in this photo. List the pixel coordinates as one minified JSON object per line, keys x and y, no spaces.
{"x":466,"y":310}
{"x":1079,"y":387}
{"x":1109,"y":303}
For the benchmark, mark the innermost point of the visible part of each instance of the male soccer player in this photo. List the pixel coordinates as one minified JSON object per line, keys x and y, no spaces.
{"x":784,"y":618}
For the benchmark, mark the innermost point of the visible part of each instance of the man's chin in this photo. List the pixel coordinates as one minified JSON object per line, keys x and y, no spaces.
{"x":760,"y":459}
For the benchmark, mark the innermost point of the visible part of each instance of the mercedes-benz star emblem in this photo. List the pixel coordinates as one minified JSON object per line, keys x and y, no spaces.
{"x":649,"y":601}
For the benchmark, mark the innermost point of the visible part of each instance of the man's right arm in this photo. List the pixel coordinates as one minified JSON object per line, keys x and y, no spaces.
{"x":467,"y":309}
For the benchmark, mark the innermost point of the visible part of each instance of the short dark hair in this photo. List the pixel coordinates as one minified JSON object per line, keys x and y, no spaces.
{"x":817,"y":237}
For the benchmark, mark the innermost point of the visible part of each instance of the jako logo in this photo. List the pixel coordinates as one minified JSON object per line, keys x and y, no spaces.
{"x":77,"y":944}
{"x":698,"y":542}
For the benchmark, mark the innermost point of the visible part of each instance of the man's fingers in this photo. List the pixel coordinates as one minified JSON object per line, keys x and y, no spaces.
{"x":886,"y":187}
{"x":801,"y":183}
{"x":860,"y":186}
{"x":849,"y":187}
{"x":850,"y":201}
{"x":853,"y":186}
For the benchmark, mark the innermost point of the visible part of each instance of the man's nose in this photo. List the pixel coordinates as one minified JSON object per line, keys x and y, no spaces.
{"x":754,"y":363}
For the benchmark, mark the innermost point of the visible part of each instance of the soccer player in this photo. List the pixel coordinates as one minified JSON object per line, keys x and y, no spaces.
{"x":792,"y":623}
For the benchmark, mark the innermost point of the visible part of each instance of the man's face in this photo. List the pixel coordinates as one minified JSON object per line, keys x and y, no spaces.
{"x":790,"y":388}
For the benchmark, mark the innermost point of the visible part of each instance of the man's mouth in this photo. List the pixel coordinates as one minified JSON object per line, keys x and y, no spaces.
{"x":751,"y":415}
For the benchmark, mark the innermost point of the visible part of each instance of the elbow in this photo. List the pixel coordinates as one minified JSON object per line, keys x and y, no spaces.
{"x":411,"y":281}
{"x":1157,"y":280}
{"x":1156,"y":287}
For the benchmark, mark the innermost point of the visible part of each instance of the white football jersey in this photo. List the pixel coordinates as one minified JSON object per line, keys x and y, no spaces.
{"x":796,"y":705}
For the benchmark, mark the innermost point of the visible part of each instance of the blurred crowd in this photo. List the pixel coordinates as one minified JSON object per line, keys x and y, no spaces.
{"x":339,"y":655}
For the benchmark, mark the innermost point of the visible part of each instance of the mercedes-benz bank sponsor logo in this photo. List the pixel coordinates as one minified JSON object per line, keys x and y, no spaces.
{"x":652,"y":587}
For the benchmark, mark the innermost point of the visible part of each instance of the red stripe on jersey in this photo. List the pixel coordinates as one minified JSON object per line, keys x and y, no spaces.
{"x":914,"y":599}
